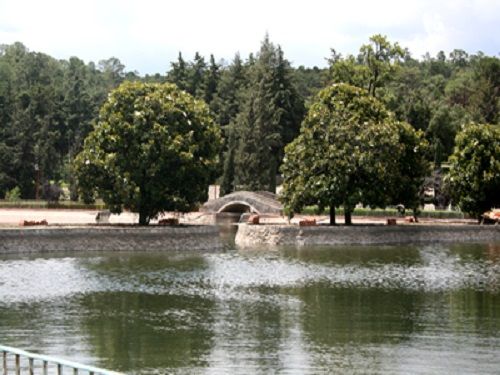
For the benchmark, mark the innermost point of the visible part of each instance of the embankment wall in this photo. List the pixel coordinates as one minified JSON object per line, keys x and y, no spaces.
{"x":51,"y":239}
{"x":255,"y":235}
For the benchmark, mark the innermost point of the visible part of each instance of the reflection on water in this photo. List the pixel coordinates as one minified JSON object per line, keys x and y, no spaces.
{"x":426,"y":309}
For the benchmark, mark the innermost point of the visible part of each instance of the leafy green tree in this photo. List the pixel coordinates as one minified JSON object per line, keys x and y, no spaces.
{"x":474,"y":176}
{"x":7,"y":154}
{"x":113,"y":72}
{"x":309,"y":80}
{"x":350,"y":150}
{"x":375,"y":65}
{"x":382,"y":59}
{"x":154,"y":149}
{"x":413,"y":166}
{"x":487,"y":94}
{"x":441,"y":131}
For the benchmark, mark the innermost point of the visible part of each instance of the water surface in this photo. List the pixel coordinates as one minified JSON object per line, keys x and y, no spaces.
{"x":393,"y":309}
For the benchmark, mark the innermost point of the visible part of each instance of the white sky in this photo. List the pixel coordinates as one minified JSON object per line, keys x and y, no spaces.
{"x":146,"y":35}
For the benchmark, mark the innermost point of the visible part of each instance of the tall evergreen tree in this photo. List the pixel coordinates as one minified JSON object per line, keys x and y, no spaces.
{"x":212,"y":77}
{"x":269,"y":119}
{"x":196,"y":76}
{"x":178,"y":73}
{"x":226,"y":104}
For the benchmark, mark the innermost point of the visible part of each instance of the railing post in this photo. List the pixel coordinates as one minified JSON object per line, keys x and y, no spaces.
{"x":27,"y":359}
{"x":5,"y":370}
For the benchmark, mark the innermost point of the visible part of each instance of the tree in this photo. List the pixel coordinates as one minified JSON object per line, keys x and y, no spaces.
{"x":270,"y":117}
{"x":179,"y":73}
{"x":474,"y":176}
{"x":487,"y":95}
{"x":211,"y":81}
{"x":154,"y":149}
{"x":113,"y":72}
{"x":197,"y":70}
{"x":226,"y":104}
{"x":441,"y":131}
{"x":351,"y":150}
{"x":375,"y":65}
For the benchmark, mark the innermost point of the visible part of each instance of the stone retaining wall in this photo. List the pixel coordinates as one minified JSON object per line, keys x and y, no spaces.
{"x":255,"y":235}
{"x":32,"y":240}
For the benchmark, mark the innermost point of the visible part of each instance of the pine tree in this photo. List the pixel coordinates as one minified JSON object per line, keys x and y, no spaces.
{"x":212,"y":77}
{"x":226,"y":105}
{"x":196,"y":74}
{"x":269,"y":119}
{"x":178,"y":74}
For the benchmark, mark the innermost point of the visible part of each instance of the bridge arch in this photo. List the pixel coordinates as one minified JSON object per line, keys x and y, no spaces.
{"x":238,"y":206}
{"x":259,"y":202}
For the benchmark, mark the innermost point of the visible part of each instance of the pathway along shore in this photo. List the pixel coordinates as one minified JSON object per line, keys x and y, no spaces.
{"x":71,"y":230}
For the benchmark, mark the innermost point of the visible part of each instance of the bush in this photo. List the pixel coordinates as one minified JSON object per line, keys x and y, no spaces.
{"x":13,"y":195}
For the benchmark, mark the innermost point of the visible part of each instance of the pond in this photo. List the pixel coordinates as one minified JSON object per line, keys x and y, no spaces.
{"x":394,"y":309}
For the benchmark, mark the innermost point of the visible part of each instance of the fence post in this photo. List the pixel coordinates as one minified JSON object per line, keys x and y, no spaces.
{"x":5,"y":370}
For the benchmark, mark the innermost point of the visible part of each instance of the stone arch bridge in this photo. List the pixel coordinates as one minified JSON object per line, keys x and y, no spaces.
{"x":258,"y":202}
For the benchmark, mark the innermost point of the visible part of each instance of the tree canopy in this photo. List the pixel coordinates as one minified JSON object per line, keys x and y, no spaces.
{"x":48,"y":106}
{"x":155,"y":148}
{"x":269,"y":119}
{"x":474,"y":176}
{"x":351,"y":150}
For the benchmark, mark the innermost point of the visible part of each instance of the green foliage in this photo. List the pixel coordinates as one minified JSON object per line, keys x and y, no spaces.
{"x":269,"y":119}
{"x":350,"y":150}
{"x":13,"y":195}
{"x":474,"y":176}
{"x":46,"y":110}
{"x":385,"y":212}
{"x":48,"y":106}
{"x":37,"y":204}
{"x":376,"y":63}
{"x":154,"y":149}
{"x":436,"y":95}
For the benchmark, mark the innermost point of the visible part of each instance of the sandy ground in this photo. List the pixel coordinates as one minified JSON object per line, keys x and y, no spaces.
{"x":10,"y":217}
{"x":13,"y":216}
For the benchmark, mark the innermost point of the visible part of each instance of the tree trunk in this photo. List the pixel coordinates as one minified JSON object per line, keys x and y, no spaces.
{"x":143,"y":218}
{"x":332,"y":214}
{"x":347,"y":215}
{"x":272,"y":175}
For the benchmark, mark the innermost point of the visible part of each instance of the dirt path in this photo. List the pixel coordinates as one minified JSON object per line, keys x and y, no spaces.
{"x":10,"y":217}
{"x":13,"y":216}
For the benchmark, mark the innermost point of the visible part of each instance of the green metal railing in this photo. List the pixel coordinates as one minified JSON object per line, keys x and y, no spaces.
{"x":44,"y":363}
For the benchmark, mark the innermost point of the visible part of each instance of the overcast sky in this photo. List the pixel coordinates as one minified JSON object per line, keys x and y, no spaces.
{"x":146,"y":35}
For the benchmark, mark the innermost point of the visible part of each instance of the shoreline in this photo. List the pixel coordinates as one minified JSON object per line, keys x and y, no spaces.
{"x":293,"y":235}
{"x":120,"y":237}
{"x":48,"y":239}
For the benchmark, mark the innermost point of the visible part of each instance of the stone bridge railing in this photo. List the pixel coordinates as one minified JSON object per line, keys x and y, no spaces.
{"x":245,"y":201}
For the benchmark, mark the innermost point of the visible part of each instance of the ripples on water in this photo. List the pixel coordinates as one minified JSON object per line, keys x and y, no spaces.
{"x":426,"y":309}
{"x":230,"y":272}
